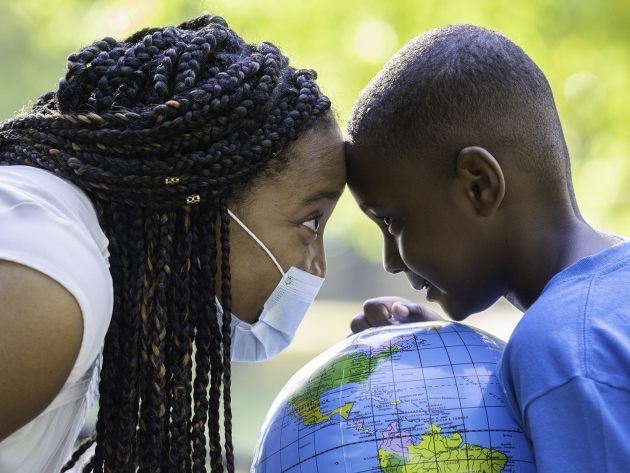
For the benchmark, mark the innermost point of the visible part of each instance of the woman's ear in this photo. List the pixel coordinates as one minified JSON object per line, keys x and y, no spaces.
{"x":482,"y":178}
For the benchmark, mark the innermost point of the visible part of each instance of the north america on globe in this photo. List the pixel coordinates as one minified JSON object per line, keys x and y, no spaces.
{"x":413,"y":398}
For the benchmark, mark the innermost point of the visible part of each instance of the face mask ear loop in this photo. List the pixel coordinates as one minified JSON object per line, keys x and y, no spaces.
{"x":257,"y":241}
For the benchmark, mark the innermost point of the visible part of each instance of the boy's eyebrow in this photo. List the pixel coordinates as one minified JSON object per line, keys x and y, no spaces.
{"x":328,"y":195}
{"x":365,"y":206}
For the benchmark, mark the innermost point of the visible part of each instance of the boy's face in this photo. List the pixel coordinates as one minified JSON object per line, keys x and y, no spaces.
{"x":430,"y":230}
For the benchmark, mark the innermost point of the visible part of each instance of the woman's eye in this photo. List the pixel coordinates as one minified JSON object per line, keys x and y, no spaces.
{"x":312,"y":223}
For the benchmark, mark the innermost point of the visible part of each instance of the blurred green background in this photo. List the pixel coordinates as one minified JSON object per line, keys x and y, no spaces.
{"x":583,"y":46}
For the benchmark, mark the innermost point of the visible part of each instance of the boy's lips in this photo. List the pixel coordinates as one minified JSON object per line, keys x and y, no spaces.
{"x":431,"y":292}
{"x":420,"y":284}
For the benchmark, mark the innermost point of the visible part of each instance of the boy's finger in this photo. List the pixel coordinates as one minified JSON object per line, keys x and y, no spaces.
{"x":359,"y":323}
{"x":377,"y":312}
{"x":374,"y":317}
{"x":388,"y":311}
{"x":405,"y":313}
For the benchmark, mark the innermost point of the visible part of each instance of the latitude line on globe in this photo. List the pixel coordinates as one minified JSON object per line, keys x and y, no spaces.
{"x":376,"y":440}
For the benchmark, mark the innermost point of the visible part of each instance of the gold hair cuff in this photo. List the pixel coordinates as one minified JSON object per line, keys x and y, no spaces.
{"x":169,"y":181}
{"x":193,"y":199}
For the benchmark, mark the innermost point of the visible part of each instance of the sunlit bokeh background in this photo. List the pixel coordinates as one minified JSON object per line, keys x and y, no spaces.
{"x":583,"y":46}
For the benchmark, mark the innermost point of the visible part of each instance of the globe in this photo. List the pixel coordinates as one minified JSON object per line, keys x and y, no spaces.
{"x":409,"y":398}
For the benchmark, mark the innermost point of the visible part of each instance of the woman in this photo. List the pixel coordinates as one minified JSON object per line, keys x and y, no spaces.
{"x":169,"y":198}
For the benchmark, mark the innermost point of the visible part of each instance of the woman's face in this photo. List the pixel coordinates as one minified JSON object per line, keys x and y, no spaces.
{"x":288,"y":213}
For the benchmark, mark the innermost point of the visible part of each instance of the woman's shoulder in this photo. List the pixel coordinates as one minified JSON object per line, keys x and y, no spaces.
{"x":26,"y":184}
{"x":50,"y":226}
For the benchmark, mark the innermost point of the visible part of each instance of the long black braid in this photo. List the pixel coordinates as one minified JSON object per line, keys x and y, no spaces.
{"x":159,"y":130}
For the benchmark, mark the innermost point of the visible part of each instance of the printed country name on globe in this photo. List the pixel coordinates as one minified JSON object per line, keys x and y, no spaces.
{"x":446,"y":398}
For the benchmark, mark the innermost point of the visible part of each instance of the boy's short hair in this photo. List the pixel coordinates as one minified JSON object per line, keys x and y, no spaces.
{"x":458,"y":86}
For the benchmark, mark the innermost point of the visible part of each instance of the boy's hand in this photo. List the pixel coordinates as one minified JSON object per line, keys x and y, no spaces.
{"x":390,"y":311}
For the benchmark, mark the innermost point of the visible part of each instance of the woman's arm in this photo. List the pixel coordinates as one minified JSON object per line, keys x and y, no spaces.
{"x":41,"y":329}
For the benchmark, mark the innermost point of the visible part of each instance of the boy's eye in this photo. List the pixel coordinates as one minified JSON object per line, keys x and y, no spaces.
{"x":312,"y":223}
{"x":389,"y":224}
{"x":386,"y":220}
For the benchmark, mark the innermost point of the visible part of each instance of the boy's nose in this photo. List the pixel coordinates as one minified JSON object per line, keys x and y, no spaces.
{"x":392,"y":262}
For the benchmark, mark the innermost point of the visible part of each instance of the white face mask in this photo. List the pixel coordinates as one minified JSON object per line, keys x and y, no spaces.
{"x":281,"y":315}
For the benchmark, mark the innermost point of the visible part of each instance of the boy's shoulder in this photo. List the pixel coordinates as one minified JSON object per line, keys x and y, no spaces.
{"x":594,"y":283}
{"x":581,"y":310}
{"x":603,"y":274}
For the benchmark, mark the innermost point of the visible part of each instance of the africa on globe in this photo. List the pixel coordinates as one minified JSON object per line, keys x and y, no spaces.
{"x":411,"y":398}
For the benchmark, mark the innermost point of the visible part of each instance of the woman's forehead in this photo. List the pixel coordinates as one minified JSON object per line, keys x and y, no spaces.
{"x":315,"y":171}
{"x":317,"y":157}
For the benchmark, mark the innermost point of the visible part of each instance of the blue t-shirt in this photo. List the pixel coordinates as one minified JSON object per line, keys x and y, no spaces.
{"x":566,"y":367}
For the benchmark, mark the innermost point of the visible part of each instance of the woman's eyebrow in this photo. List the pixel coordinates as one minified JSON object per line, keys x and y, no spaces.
{"x":327,"y":195}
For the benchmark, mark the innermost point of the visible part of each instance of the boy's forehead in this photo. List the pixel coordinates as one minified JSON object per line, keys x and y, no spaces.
{"x":364,"y":159}
{"x":367,"y":160}
{"x":378,"y":178}
{"x":367,"y":149}
{"x":370,"y":169}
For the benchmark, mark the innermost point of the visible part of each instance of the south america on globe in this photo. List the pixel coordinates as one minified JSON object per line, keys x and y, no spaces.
{"x":410,"y":398}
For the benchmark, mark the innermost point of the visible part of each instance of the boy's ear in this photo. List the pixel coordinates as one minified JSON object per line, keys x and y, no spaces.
{"x":483,"y":179}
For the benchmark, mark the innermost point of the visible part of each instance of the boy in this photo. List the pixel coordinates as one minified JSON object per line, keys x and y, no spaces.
{"x":456,"y":151}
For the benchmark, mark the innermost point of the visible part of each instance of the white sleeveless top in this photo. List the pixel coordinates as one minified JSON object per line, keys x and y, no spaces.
{"x":50,"y":225}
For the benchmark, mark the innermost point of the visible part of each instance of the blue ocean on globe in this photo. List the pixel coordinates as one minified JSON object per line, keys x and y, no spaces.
{"x":409,"y":398}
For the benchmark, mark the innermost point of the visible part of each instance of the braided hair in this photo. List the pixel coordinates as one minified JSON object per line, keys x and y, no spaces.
{"x":159,"y":130}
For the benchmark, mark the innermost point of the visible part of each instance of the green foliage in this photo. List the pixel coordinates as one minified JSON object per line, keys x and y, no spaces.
{"x":583,"y":47}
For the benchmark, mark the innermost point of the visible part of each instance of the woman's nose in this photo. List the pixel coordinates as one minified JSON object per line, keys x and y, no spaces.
{"x":318,"y":261}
